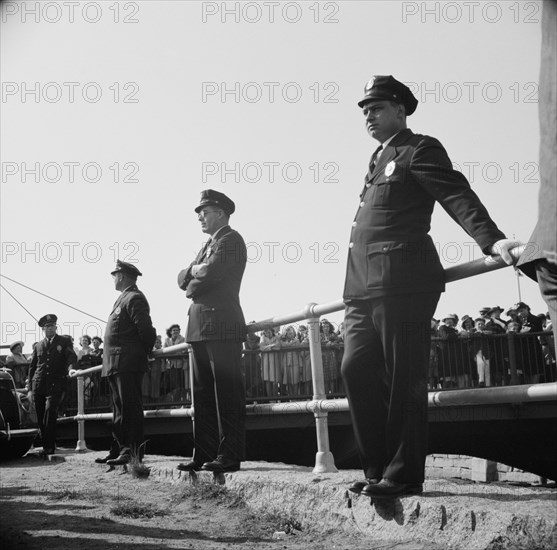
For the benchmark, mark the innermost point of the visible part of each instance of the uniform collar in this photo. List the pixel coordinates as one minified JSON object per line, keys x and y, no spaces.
{"x":219,"y":230}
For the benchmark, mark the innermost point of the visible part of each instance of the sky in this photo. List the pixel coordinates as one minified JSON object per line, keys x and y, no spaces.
{"x":116,"y":115}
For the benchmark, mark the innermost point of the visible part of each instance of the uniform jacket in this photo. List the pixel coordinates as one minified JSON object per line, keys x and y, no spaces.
{"x":129,"y":335}
{"x":50,"y":364}
{"x":215,"y":313}
{"x":390,"y":251}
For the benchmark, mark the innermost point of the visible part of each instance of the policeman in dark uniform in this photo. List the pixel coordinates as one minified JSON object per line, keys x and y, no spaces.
{"x":128,"y":340}
{"x":393,"y":282}
{"x":216,"y":330}
{"x":52,"y":358}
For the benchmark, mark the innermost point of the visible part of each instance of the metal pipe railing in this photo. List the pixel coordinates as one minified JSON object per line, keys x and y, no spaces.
{"x":319,"y":406}
{"x":531,"y":393}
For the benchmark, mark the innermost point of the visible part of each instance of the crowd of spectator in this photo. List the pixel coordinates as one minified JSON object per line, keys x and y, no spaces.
{"x":491,"y":351}
{"x":277,"y":362}
{"x":486,"y":350}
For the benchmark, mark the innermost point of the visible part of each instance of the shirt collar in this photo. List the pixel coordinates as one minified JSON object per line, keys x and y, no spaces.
{"x":387,"y":141}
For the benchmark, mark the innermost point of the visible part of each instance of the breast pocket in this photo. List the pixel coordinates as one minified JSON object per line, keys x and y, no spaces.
{"x":389,"y":189}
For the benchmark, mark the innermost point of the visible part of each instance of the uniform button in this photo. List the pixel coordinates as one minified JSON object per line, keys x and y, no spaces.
{"x":362,"y":203}
{"x":368,"y":185}
{"x":354,"y":224}
{"x":385,"y":247}
{"x":351,"y":245}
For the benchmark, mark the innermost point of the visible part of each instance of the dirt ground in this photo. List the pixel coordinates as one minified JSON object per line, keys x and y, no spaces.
{"x":66,"y":505}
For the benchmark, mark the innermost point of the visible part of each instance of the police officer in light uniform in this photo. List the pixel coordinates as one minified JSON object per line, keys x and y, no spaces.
{"x":128,"y":340}
{"x":393,"y":282}
{"x":52,"y":359}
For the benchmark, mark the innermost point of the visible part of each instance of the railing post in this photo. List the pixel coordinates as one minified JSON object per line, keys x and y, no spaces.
{"x":80,"y":411}
{"x":514,"y":380}
{"x":324,"y":460}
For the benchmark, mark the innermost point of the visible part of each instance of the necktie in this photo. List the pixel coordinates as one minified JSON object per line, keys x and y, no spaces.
{"x":206,"y":250}
{"x":373,"y":161}
{"x":375,"y":157}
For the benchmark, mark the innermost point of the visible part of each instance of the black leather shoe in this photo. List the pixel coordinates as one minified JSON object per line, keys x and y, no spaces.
{"x":190,"y":466}
{"x":387,"y":488}
{"x":119,"y":461}
{"x":105,"y":459}
{"x":45,"y":453}
{"x":222,"y":464}
{"x":358,"y":486}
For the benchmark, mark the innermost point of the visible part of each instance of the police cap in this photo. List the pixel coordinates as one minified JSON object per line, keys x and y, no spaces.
{"x":46,"y":319}
{"x":125,"y":267}
{"x":220,"y":200}
{"x":390,"y":89}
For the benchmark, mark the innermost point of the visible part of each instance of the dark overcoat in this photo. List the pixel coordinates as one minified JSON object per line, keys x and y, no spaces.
{"x":129,"y":335}
{"x":215,"y":312}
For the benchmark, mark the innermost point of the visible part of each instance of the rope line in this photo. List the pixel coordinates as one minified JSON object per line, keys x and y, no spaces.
{"x":17,"y":301}
{"x":49,"y":297}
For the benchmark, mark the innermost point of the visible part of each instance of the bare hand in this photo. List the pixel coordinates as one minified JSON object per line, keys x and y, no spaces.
{"x":502,"y":248}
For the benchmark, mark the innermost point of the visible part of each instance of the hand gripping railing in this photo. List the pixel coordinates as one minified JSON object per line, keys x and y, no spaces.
{"x":319,"y":406}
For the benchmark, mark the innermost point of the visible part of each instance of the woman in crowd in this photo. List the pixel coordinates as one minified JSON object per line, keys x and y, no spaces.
{"x":481,"y":351}
{"x":252,"y":365}
{"x":270,"y":362}
{"x":467,"y":375}
{"x":306,"y":388}
{"x":448,"y":335}
{"x":331,"y":365}
{"x":18,"y":364}
{"x":85,"y":361}
{"x":84,"y":350}
{"x":291,"y":361}
{"x":175,"y":376}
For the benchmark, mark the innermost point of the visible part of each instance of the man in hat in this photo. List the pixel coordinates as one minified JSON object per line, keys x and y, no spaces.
{"x":529,"y":322}
{"x":393,"y":282}
{"x":216,"y":330}
{"x":52,"y":359}
{"x":128,"y":340}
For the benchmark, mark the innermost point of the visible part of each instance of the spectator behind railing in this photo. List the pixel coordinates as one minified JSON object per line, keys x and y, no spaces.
{"x":151,"y":387}
{"x":85,"y":360}
{"x":481,"y":352}
{"x":305,"y":370}
{"x":434,"y":354}
{"x":291,"y":361}
{"x":18,"y":364}
{"x":252,"y":366}
{"x":175,"y":378}
{"x":97,"y":350}
{"x":498,"y":347}
{"x":331,"y":363}
{"x":271,"y":365}
{"x":448,"y":335}
{"x":531,"y":349}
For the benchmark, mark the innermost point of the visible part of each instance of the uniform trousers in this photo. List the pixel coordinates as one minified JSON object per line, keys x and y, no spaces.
{"x":127,"y":410}
{"x":384,"y":368}
{"x":219,"y":401}
{"x":47,"y":407}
